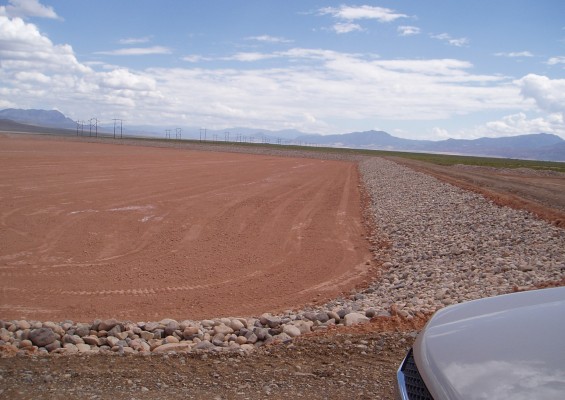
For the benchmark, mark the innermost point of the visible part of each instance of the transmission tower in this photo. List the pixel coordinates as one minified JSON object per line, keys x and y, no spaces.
{"x":202,"y":130}
{"x":121,"y":130}
{"x":95,"y":126}
{"x":178,"y":133}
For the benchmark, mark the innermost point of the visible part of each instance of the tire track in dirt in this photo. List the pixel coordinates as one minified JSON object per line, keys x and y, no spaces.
{"x":226,"y":233}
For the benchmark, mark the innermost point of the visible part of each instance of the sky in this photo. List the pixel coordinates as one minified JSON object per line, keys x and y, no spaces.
{"x":418,"y":69}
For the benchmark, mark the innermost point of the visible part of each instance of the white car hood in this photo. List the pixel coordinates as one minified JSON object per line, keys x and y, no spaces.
{"x":504,"y":347}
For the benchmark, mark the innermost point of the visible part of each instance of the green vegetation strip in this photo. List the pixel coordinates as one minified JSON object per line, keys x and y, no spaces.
{"x":439,"y":159}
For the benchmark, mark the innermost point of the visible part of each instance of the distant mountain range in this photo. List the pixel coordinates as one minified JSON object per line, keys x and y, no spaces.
{"x":540,"y":146}
{"x":51,"y":118}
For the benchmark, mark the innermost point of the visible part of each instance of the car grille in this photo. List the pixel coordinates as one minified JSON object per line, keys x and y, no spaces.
{"x":415,"y":386}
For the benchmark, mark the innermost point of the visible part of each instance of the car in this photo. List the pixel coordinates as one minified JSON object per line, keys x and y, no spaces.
{"x":504,"y":347}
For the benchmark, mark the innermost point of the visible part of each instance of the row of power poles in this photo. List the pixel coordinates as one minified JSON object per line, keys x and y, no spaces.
{"x":93,"y":124}
{"x":178,"y":133}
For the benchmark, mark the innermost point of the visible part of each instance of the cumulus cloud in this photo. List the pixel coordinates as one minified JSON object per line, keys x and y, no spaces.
{"x":519,"y":123}
{"x":513,"y":124}
{"x":311,"y":89}
{"x":324,"y":84}
{"x":406,"y":30}
{"x":23,"y":47}
{"x":549,"y":94}
{"x":33,"y":77}
{"x":457,"y":42}
{"x":123,"y":79}
{"x":29,"y":8}
{"x":36,"y":73}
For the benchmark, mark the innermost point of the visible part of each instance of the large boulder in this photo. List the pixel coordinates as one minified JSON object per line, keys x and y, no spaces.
{"x":42,"y":337}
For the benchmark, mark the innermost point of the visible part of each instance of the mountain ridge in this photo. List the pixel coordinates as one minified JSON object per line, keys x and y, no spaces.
{"x":536,"y":146}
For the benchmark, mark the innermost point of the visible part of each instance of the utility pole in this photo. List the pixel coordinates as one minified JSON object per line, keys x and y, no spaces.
{"x":202,"y":130}
{"x":178,"y":133}
{"x":167,"y":133}
{"x":227,"y":136}
{"x":78,"y":124}
{"x":95,"y":126}
{"x":121,"y":127}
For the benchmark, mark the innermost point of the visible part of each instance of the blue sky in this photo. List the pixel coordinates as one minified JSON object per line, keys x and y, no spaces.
{"x":416,"y":69}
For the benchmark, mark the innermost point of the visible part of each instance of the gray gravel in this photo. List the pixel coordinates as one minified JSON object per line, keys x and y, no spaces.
{"x":448,"y":245}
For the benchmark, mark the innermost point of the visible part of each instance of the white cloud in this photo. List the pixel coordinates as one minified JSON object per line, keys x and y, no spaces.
{"x":517,"y":54}
{"x":29,"y":8}
{"x":352,"y":13}
{"x":137,"y":51}
{"x":194,"y":58}
{"x":36,"y":73}
{"x":440,"y":133}
{"x":123,"y":79}
{"x":325,"y":84}
{"x":311,"y":89}
{"x":346,"y":27}
{"x":406,"y":30}
{"x":269,"y":39}
{"x":519,"y":123}
{"x":556,"y":60}
{"x":511,"y":125}
{"x":32,"y":77}
{"x":549,"y":94}
{"x":347,"y":14}
{"x":23,"y":47}
{"x":139,"y":40}
{"x":250,"y":56}
{"x":445,"y":37}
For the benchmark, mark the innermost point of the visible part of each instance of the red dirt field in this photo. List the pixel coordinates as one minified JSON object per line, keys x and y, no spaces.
{"x":91,"y":230}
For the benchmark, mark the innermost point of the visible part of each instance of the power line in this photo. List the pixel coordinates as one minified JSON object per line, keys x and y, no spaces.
{"x":95,"y":126}
{"x":121,"y":130}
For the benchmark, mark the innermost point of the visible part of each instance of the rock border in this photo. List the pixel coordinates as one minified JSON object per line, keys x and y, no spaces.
{"x":168,"y":335}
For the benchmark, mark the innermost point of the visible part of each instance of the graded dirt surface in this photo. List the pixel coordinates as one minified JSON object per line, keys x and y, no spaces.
{"x":92,"y":230}
{"x":540,"y":192}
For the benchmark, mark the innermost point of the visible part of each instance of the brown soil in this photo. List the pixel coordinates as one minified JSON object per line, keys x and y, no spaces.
{"x":92,"y":230}
{"x":540,"y":193}
{"x":358,"y":362}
